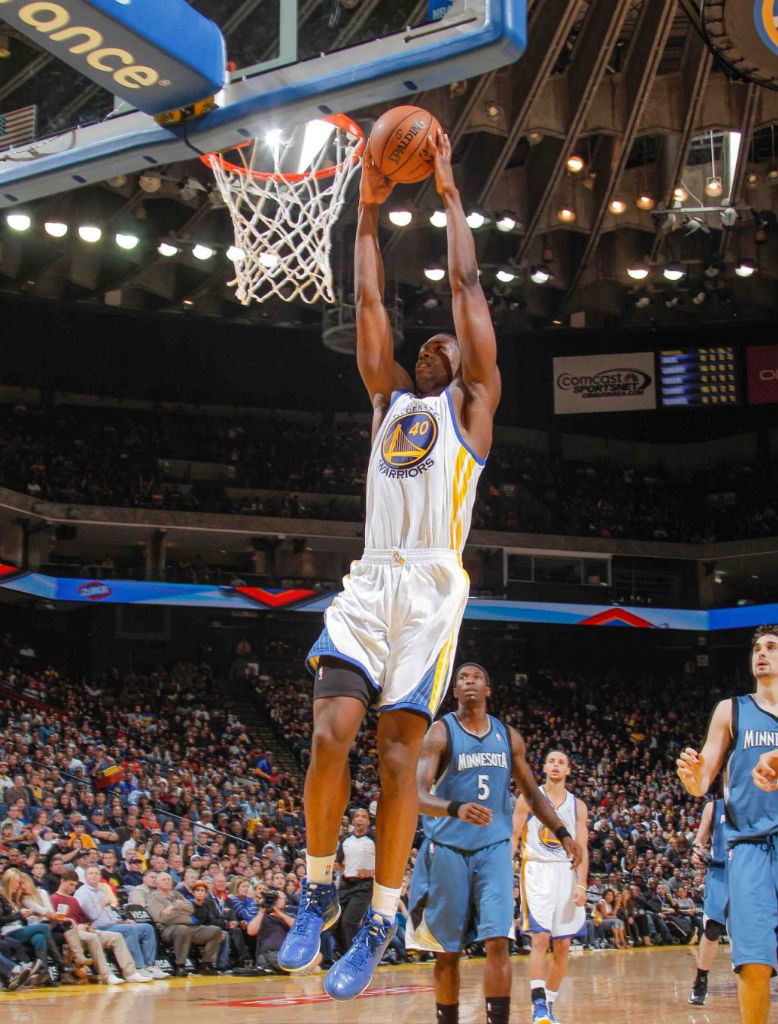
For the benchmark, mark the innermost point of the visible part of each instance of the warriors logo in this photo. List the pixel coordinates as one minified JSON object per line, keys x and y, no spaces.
{"x":409,"y":439}
{"x":548,"y":839}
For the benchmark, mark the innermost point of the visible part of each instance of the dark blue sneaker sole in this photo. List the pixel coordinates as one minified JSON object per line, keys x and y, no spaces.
{"x":307,"y":967}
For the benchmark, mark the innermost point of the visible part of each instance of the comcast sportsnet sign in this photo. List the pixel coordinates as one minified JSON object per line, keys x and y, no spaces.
{"x":608,"y":383}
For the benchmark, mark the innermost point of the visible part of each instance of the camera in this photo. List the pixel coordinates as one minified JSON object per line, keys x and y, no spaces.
{"x":268,"y":900}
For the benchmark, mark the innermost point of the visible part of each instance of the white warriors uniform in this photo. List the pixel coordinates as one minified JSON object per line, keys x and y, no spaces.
{"x":398,"y":616}
{"x":547,"y":881}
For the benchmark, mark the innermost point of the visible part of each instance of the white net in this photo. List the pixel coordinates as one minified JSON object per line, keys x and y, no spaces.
{"x":283,"y":216}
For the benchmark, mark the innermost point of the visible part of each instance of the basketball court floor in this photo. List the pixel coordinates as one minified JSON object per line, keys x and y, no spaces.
{"x":641,"y":986}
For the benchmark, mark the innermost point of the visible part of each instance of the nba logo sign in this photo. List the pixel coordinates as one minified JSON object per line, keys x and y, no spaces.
{"x":95,"y":591}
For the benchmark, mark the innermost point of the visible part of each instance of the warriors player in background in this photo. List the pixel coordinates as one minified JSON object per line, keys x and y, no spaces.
{"x":553,"y":900}
{"x":462,"y":885}
{"x":389,"y":637}
{"x":711,"y":830}
{"x":741,"y":730}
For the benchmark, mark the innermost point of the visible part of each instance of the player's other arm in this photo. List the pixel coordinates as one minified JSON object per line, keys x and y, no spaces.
{"x":765,"y":773}
{"x":702,"y":838}
{"x":698,"y":770}
{"x":375,"y":349}
{"x":433,"y":750}
{"x":538,"y":804}
{"x":472,"y":320}
{"x":520,"y":816}
{"x":582,"y":842}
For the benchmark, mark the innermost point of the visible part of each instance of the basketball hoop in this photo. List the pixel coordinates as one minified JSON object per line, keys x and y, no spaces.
{"x":283,"y":217}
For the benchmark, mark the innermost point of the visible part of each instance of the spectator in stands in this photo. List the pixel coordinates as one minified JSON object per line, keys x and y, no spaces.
{"x":270,"y":925}
{"x":97,"y":905}
{"x":172,"y":914}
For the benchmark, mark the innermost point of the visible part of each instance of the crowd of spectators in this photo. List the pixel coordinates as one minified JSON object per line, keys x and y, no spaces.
{"x":82,"y":454}
{"x":149,"y":833}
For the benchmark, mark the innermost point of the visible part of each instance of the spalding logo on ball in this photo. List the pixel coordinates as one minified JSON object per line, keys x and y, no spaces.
{"x":400,"y":144}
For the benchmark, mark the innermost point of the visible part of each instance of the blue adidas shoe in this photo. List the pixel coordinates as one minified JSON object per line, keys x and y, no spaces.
{"x":319,"y":910}
{"x":351,"y":975}
{"x":540,"y":1012}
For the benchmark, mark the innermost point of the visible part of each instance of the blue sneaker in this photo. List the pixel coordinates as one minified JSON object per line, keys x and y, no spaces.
{"x":552,"y":1016}
{"x":351,"y":975}
{"x":319,"y":910}
{"x":540,"y":1012}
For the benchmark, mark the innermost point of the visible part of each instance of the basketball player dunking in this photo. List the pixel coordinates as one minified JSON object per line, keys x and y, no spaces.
{"x":389,"y":637}
{"x":741,"y":731}
{"x":553,"y":900}
{"x":462,"y":885}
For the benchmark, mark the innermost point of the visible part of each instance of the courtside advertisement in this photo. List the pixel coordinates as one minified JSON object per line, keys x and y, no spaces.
{"x":762,"y":372}
{"x":606,"y":383}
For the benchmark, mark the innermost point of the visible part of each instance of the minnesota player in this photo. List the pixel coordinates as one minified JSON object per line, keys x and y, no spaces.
{"x":553,"y":900}
{"x":389,"y":637}
{"x":742,"y":729}
{"x":462,"y":885}
{"x":711,"y":830}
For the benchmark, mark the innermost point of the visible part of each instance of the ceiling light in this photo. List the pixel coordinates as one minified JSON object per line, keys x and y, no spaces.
{"x":506,"y":221}
{"x":434,"y":272}
{"x":188,"y":189}
{"x":202,"y":252}
{"x":752,"y":178}
{"x":90,"y":233}
{"x":673,"y":272}
{"x":150,"y":182}
{"x":566,"y":215}
{"x":166,"y":249}
{"x":269,"y":260}
{"x":533,"y":138}
{"x":506,"y":274}
{"x":457,"y":89}
{"x":55,"y":228}
{"x":438,"y":219}
{"x":642,"y":299}
{"x":672,"y":302}
{"x":187,"y":302}
{"x":5,"y":46}
{"x":493,"y":110}
{"x":401,"y":218}
{"x":540,"y":274}
{"x":575,"y":163}
{"x":772,"y":175}
{"x":475,"y":220}
{"x":745,"y":268}
{"x":680,"y":195}
{"x":125,"y":241}
{"x":18,"y":221}
{"x":118,"y":182}
{"x":235,"y":254}
{"x":589,"y":179}
{"x":699,"y":296}
{"x":617,"y":206}
{"x":638,"y":273}
{"x":645,"y":201}
{"x":713,"y":187}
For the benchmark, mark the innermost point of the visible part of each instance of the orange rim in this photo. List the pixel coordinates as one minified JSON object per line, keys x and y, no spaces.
{"x":339,"y":120}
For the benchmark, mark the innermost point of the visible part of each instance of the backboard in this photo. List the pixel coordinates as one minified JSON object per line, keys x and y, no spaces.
{"x":293,"y":59}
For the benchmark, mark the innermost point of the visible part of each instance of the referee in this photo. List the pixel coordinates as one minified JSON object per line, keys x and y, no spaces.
{"x":355,"y":859}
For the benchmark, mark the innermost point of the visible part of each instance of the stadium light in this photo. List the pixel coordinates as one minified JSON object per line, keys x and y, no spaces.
{"x":90,"y":233}
{"x":55,"y":228}
{"x":18,"y":221}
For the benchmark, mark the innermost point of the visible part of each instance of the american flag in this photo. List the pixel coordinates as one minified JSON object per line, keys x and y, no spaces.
{"x":17,"y":126}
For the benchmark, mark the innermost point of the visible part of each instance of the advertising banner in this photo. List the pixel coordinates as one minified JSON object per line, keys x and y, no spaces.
{"x":762,"y":371}
{"x":606,"y":383}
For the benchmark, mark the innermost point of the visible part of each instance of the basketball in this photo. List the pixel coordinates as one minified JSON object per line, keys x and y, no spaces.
{"x":399,"y":144}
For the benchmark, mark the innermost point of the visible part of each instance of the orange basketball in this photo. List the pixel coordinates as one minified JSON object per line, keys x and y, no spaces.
{"x":399,"y":143}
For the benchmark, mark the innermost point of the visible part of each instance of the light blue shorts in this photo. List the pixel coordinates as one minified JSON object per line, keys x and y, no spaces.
{"x":752,"y":912}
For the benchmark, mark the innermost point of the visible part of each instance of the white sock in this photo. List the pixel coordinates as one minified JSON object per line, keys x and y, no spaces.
{"x":319,"y":869}
{"x":385,"y":900}
{"x":551,"y":996}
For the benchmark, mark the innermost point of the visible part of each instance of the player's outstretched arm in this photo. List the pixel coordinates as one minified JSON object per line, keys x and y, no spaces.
{"x":697,"y":770}
{"x":433,"y":750}
{"x":701,"y":840}
{"x":472,"y":320}
{"x":538,"y":804}
{"x":765,"y":774}
{"x":375,"y":348}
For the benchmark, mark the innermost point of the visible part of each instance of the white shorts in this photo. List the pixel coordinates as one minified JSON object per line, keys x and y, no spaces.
{"x":397,"y":619}
{"x":548,"y":899}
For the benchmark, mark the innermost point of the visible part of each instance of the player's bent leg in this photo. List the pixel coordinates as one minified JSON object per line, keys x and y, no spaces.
{"x":753,"y":993}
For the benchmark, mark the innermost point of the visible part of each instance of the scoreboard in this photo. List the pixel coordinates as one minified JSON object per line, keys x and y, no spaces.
{"x":699,"y":376}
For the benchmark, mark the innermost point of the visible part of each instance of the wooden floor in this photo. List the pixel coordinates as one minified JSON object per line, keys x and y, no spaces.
{"x":642,"y":986}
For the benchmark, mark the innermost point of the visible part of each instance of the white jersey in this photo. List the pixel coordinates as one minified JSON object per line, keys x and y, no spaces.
{"x":538,"y":843}
{"x":421,"y":478}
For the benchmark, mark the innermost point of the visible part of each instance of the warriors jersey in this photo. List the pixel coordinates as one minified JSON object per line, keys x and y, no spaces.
{"x":421,"y":478}
{"x":538,"y":842}
{"x":751,"y":813}
{"x":478,"y":771}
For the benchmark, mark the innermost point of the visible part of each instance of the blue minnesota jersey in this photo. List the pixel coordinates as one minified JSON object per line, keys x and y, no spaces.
{"x":718,"y":838}
{"x":750,"y":811}
{"x":478,"y":771}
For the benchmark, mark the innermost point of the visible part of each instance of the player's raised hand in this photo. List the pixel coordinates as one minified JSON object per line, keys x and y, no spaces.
{"x":765,"y":774}
{"x":475,"y":813}
{"x":689,"y":768}
{"x":444,"y":175}
{"x":573,"y":851}
{"x":374,"y":187}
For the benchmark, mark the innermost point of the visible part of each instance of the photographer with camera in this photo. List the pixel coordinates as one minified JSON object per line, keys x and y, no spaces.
{"x":270,"y":925}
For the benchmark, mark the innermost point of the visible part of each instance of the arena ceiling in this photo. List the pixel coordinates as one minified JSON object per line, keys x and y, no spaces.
{"x":651,"y":96}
